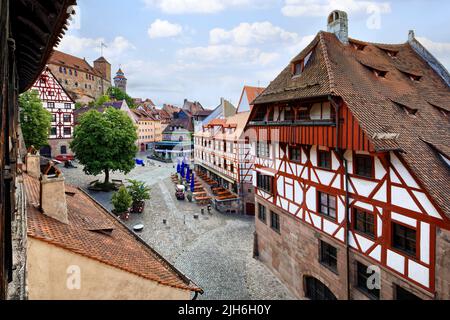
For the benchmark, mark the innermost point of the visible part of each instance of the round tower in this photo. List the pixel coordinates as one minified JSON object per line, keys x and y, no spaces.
{"x":120,"y":81}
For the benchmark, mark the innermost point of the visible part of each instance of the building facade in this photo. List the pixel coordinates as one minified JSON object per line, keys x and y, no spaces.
{"x":83,"y":82}
{"x":177,"y":139}
{"x":57,"y":101}
{"x":149,"y":129}
{"x":222,"y":152}
{"x":352,"y":170}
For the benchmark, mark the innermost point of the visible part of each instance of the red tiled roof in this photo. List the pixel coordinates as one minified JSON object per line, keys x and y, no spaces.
{"x":95,"y":234}
{"x":252,"y":93}
{"x":217,"y":122}
{"x":341,"y":70}
{"x":69,"y":61}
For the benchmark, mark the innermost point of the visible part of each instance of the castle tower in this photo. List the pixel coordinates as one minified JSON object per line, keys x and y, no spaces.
{"x":120,"y":81}
{"x":104,"y":67}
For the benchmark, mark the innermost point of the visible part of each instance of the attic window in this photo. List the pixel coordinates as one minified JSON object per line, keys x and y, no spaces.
{"x":300,"y":66}
{"x":379,"y":73}
{"x":441,"y":110}
{"x":413,"y":77}
{"x":391,"y":53}
{"x":410,"y":111}
{"x":358,"y":46}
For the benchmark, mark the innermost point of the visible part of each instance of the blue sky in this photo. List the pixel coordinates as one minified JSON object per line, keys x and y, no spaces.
{"x":207,"y":49}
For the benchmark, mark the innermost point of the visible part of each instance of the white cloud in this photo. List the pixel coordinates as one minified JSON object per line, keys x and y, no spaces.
{"x":251,"y":34}
{"x":164,"y":29}
{"x":79,"y":46}
{"x":221,"y":54}
{"x":441,"y":50}
{"x":294,"y":8}
{"x":202,"y":6}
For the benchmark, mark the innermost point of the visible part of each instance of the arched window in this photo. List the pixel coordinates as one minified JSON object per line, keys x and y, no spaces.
{"x":316,"y":290}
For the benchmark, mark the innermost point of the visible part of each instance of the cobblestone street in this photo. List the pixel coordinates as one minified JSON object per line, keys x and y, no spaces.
{"x":214,"y":251}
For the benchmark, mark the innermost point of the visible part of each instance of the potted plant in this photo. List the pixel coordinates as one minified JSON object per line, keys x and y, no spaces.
{"x":139,"y":192}
{"x":121,"y":200}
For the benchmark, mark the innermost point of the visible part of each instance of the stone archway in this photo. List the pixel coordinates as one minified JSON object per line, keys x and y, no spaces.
{"x":317,"y":290}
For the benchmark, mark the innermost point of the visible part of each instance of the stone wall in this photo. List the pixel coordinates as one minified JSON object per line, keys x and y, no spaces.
{"x":80,"y":85}
{"x":18,"y":287}
{"x":443,"y":264}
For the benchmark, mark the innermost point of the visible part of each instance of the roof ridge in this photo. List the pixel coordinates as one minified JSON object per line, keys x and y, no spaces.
{"x":324,"y":50}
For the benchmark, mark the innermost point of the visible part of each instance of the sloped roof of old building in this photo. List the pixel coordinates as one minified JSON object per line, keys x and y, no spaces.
{"x":184,"y":123}
{"x":95,"y":234}
{"x":143,"y":115}
{"x":101,"y":59}
{"x":36,"y":28}
{"x":69,"y":61}
{"x":251,"y":93}
{"x":378,"y":103}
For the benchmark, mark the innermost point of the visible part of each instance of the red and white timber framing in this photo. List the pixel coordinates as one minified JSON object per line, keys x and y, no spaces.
{"x":58,"y":102}
{"x":393,"y":195}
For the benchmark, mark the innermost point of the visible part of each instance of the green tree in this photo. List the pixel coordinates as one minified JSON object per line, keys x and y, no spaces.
{"x":105,"y":142}
{"x":138,"y":190}
{"x":102,"y":100}
{"x":35,"y":121}
{"x":119,"y":95}
{"x":121,"y":200}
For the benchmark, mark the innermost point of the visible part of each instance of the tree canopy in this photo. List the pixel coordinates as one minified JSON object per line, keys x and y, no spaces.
{"x":35,"y":120}
{"x":118,"y":95}
{"x":105,"y":142}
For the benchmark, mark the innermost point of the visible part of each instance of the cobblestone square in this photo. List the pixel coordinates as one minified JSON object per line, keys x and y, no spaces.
{"x":214,"y":251}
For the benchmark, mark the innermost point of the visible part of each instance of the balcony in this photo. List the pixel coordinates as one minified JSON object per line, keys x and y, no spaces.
{"x":289,"y":123}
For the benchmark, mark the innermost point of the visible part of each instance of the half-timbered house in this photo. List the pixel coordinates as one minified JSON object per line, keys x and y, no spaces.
{"x":222,"y":152}
{"x":352,"y":170}
{"x":58,"y":102}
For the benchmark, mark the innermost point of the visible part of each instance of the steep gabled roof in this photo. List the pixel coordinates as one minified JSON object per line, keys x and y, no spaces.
{"x":249,"y":93}
{"x":335,"y":69}
{"x":117,"y":246}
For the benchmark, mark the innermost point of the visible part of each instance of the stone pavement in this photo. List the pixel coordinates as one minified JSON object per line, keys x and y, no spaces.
{"x":214,"y":251}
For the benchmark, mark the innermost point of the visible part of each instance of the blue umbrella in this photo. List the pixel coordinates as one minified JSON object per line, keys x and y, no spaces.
{"x":192,"y":182}
{"x":188,"y":175}
{"x":178,"y":167}
{"x":182,"y":169}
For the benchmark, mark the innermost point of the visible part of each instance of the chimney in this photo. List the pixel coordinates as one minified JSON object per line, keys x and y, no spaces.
{"x":338,"y":24}
{"x":33,"y":163}
{"x":53,"y":194}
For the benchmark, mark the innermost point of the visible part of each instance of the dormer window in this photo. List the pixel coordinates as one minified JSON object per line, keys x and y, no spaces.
{"x":380,"y":73}
{"x":391,"y":53}
{"x":299,"y":66}
{"x":413,"y":77}
{"x":358,"y":46}
{"x":410,"y":111}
